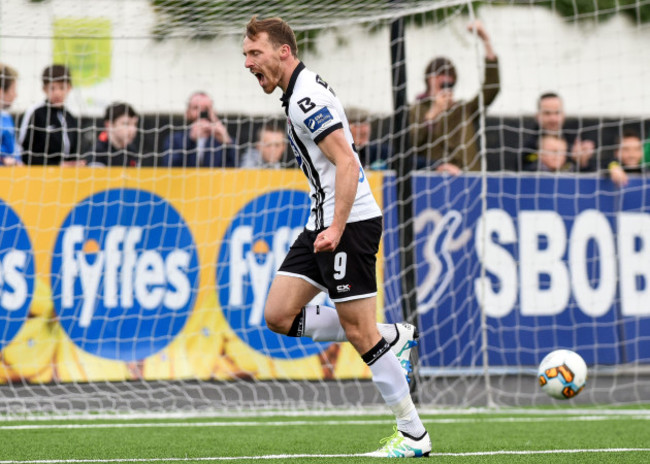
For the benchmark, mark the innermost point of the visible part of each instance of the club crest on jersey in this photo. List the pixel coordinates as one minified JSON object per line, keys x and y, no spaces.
{"x":318,"y":119}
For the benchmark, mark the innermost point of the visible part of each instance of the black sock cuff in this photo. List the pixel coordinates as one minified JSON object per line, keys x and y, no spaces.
{"x":376,"y":352}
{"x":413,"y":437}
{"x":298,"y":326}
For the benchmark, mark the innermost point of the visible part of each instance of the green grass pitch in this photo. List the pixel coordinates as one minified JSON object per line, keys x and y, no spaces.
{"x":540,"y":436}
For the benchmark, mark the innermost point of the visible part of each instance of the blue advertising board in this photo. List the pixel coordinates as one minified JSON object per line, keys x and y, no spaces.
{"x":552,"y":261}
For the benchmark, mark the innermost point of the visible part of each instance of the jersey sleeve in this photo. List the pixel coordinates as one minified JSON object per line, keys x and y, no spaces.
{"x":315,"y":113}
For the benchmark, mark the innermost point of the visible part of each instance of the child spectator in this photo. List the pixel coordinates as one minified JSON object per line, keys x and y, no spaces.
{"x":115,"y":146}
{"x":628,"y":158}
{"x":552,"y":155}
{"x":49,"y":133}
{"x":551,"y":120}
{"x":9,"y":149}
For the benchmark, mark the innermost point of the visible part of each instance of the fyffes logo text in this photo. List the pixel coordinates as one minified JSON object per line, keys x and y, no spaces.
{"x":124,"y":274}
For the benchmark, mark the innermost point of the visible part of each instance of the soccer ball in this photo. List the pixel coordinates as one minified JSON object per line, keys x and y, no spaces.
{"x":562,"y":374}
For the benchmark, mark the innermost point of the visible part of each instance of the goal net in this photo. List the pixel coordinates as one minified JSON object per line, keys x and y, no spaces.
{"x":140,"y":286}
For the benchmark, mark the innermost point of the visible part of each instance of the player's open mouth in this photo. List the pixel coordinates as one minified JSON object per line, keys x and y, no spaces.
{"x":260,"y":77}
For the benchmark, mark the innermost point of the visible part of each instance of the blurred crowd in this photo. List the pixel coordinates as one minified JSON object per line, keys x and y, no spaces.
{"x":443,"y":134}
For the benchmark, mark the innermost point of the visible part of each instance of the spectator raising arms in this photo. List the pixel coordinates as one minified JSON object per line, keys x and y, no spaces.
{"x":442,"y":129}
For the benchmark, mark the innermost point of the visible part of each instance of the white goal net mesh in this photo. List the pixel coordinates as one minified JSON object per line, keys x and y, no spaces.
{"x":136,"y":251}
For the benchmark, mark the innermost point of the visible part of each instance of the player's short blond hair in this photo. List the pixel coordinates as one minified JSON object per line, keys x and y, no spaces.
{"x":279,"y":32}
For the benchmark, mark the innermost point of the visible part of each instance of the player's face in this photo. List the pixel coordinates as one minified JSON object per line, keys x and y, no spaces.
{"x":551,"y":115}
{"x":264,"y":61}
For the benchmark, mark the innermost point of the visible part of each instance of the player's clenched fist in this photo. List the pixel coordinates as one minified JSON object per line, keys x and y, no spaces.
{"x":327,"y":240}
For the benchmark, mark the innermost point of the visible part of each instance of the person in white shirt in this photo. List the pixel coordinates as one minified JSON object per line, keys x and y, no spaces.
{"x":336,"y":252}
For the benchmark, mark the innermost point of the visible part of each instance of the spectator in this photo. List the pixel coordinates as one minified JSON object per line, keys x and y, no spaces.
{"x":9,"y":149}
{"x":442,"y":129}
{"x":373,"y":154}
{"x":49,"y":134}
{"x":628,"y":158}
{"x":269,"y":150}
{"x":115,"y":145}
{"x":551,"y":120}
{"x":552,"y":155}
{"x":205,"y":141}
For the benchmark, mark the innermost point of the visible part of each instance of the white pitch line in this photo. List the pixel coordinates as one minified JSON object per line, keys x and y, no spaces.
{"x":368,"y":411}
{"x":292,"y":423}
{"x":320,"y":456}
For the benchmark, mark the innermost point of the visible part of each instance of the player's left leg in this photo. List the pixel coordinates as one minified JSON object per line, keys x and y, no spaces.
{"x":286,"y":298}
{"x":358,"y":318}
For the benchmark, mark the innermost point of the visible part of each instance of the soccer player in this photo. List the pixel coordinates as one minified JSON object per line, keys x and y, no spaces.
{"x":337,"y":250}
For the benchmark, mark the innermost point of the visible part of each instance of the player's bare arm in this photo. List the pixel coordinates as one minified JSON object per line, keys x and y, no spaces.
{"x":337,"y":149}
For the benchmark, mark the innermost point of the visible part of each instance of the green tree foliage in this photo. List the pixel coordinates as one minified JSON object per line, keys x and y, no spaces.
{"x":207,"y":19}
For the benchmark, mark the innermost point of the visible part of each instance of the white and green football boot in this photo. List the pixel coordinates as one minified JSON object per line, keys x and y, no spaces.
{"x":399,"y":445}
{"x":406,"y":340}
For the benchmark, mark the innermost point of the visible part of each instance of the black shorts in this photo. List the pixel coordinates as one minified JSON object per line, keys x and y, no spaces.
{"x":347,"y":273}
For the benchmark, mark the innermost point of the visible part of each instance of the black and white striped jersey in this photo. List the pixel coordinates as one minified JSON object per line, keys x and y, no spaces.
{"x":314,"y":112}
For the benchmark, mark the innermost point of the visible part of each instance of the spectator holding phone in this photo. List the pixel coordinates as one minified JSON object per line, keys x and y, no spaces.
{"x":442,"y":128}
{"x":204,"y":141}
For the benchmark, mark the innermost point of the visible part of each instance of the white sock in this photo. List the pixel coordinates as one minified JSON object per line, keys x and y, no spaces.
{"x":408,"y":419}
{"x":388,"y":376}
{"x":321,"y":324}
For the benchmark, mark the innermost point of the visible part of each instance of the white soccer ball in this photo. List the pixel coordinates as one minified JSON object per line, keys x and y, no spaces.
{"x":562,"y":374}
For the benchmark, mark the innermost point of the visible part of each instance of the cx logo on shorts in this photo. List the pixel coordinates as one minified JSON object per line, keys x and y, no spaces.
{"x":343,"y":288}
{"x":252,"y":249}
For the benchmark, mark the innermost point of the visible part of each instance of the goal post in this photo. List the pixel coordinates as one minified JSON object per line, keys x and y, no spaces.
{"x":141,"y":289}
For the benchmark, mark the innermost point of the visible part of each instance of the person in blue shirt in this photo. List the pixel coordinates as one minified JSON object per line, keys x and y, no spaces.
{"x":9,"y":149}
{"x":204,"y":141}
